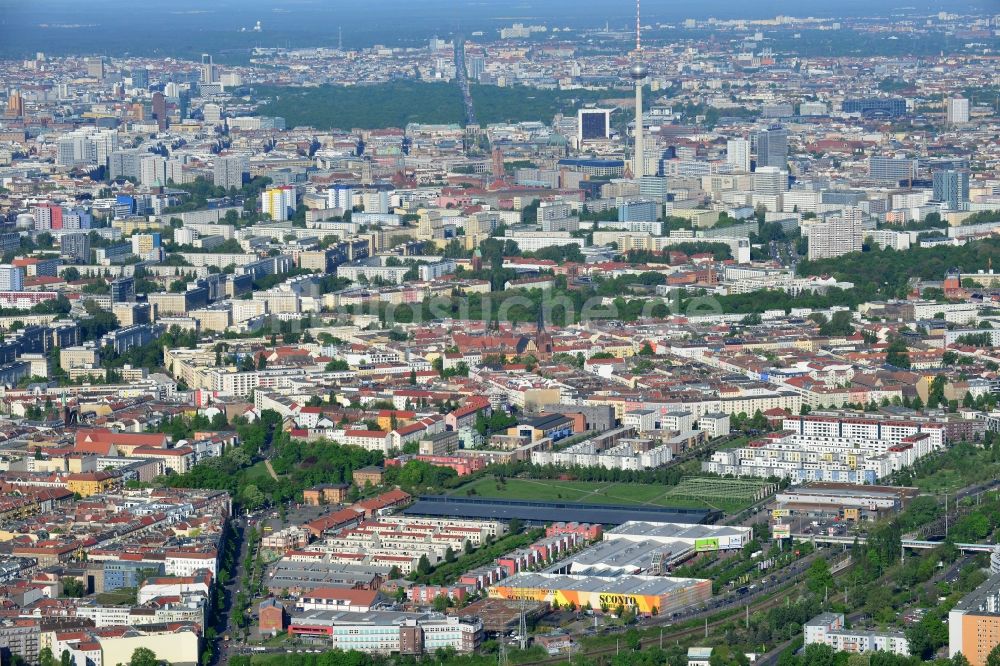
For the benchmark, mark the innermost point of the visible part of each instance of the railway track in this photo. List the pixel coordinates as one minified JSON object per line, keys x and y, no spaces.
{"x":776,"y":599}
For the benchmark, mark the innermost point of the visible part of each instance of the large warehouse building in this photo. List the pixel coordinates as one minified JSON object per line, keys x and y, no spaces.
{"x":645,"y":548}
{"x":542,"y":513}
{"x":703,"y":538}
{"x":646,"y":595}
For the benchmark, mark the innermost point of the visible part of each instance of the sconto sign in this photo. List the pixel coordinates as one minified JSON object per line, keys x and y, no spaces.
{"x":614,"y":600}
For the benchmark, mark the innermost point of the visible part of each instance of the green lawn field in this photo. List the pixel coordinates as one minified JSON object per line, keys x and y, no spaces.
{"x":587,"y":492}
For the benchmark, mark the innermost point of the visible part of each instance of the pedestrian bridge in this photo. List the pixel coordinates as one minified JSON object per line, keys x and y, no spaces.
{"x":915,"y":544}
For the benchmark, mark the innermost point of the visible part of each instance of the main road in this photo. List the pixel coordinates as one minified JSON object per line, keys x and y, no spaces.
{"x":463,"y":82}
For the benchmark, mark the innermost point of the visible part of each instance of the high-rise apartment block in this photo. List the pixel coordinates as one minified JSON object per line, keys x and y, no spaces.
{"x":340,"y":196}
{"x":11,"y":278}
{"x":837,"y":235}
{"x":957,"y":110}
{"x":229,"y":171}
{"x":738,"y":154}
{"x":278,"y":202}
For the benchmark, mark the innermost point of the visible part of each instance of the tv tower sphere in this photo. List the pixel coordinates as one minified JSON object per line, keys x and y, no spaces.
{"x":638,"y":71}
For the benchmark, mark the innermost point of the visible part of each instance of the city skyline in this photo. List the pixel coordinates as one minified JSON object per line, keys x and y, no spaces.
{"x":491,"y":333}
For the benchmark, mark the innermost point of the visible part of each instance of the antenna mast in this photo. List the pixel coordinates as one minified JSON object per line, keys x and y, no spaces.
{"x":638,"y":29}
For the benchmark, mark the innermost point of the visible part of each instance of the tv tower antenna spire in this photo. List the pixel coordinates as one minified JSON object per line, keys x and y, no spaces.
{"x":638,"y":29}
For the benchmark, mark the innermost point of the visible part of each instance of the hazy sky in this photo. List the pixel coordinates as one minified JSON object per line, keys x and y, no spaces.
{"x":116,"y":26}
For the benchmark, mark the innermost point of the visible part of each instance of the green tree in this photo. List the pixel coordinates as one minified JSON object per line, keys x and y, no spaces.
{"x":819,"y":580}
{"x":251,"y":497}
{"x":45,"y":657}
{"x":423,"y":565}
{"x":993,"y":658}
{"x":143,"y":657}
{"x":897,"y":354}
{"x":72,"y":587}
{"x":819,"y":654}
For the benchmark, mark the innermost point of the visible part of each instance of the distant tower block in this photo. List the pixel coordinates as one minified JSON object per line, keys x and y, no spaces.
{"x":498,"y":169}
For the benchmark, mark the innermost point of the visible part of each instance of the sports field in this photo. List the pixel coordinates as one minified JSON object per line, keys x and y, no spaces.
{"x":692,"y":492}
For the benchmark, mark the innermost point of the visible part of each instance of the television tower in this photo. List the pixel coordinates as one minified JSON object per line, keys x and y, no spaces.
{"x":638,"y":73}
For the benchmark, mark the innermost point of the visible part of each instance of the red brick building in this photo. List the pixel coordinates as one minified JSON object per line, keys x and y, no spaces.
{"x":273,"y":618}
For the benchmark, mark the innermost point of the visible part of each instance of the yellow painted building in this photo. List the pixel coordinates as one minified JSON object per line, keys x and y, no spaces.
{"x":91,"y":483}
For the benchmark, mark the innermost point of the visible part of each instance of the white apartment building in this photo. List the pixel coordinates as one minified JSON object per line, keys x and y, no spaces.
{"x":153,"y":171}
{"x":738,"y":154}
{"x":629,"y":455}
{"x":828,"y":629}
{"x":815,"y":458}
{"x":957,"y":111}
{"x":836,"y":236}
{"x":870,"y":427}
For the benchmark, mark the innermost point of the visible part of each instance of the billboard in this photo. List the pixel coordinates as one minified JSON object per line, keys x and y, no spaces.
{"x":781,"y":531}
{"x":706,"y":545}
{"x":597,"y":600}
{"x":780,"y":513}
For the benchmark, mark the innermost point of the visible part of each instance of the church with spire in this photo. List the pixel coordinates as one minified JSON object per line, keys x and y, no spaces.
{"x":543,"y":339}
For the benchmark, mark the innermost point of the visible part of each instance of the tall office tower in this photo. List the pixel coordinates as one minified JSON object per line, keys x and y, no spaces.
{"x":958,"y":111}
{"x":95,"y":68}
{"x":153,"y":171}
{"x":770,"y":181}
{"x":772,"y":147}
{"x":340,"y":196}
{"x":477,"y":67}
{"x":952,"y":188}
{"x":738,"y":154}
{"x":123,"y":290}
{"x":104,"y":143}
{"x":891,"y":169}
{"x":207,"y":69}
{"x":836,"y":236}
{"x":75,"y":247}
{"x":593,"y":125}
{"x":278,"y":202}
{"x":212,"y":113}
{"x":183,"y":103}
{"x":160,"y":110}
{"x":15,"y":104}
{"x":11,"y":278}
{"x":228,"y":171}
{"x":140,"y":78}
